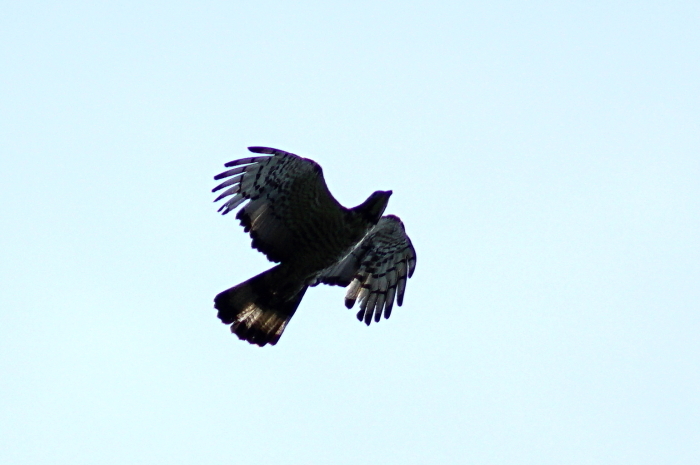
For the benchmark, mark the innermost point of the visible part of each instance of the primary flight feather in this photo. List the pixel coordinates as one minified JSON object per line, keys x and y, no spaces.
{"x":295,"y":221}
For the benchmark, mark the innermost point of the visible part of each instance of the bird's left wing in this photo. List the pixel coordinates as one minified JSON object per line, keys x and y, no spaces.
{"x":376,"y":270}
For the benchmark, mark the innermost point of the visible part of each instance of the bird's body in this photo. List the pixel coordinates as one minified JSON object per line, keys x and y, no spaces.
{"x":294,"y":220}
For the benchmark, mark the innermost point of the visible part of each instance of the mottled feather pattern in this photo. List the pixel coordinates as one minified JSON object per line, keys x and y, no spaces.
{"x":376,"y":270}
{"x":289,"y":201}
{"x":266,"y":182}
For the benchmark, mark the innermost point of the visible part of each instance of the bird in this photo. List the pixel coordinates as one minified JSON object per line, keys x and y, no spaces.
{"x":296,"y":222}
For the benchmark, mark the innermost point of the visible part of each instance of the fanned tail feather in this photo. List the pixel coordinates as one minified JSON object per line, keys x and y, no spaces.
{"x":256,"y":311}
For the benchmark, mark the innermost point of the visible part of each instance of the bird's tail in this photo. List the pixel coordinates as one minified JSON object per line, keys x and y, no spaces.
{"x":259,"y":309}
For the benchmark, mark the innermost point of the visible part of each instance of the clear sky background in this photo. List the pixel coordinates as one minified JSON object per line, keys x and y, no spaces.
{"x":544,"y":156}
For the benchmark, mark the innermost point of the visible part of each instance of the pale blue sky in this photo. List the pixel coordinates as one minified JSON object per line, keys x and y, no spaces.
{"x":545,"y":157}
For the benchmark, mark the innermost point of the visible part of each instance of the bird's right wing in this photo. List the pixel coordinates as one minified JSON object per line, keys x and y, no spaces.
{"x":376,"y":270}
{"x":285,"y":191}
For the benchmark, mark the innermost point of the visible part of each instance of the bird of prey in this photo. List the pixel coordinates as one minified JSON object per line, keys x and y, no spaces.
{"x":295,"y":221}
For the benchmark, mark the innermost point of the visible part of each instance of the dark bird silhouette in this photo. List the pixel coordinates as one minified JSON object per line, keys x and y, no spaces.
{"x":295,"y":221}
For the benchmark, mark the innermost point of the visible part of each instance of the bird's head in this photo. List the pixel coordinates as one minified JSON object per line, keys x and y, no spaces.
{"x":373,"y":208}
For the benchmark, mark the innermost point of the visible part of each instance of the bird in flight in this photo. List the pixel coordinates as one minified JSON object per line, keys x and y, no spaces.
{"x":295,"y":221}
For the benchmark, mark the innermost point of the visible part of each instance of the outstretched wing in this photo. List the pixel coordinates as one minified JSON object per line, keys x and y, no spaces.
{"x":286,"y":193}
{"x":376,"y":270}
